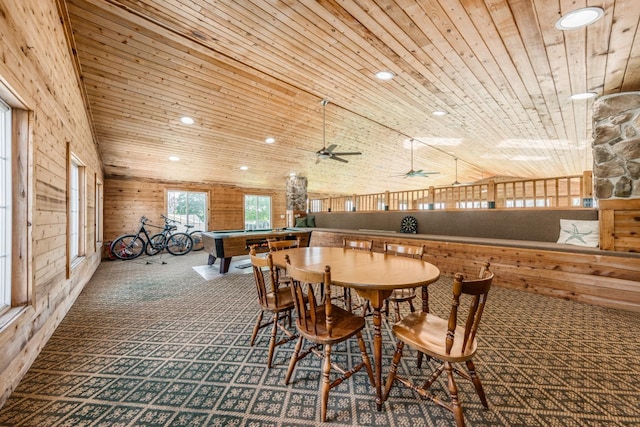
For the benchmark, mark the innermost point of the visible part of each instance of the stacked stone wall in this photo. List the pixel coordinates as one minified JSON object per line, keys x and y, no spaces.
{"x":616,"y":146}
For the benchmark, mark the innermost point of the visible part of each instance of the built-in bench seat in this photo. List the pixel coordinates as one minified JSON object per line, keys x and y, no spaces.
{"x":591,"y":275}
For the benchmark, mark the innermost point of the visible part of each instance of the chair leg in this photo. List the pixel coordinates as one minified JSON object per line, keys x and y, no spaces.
{"x":477,"y":384}
{"x":272,"y":340}
{"x":456,"y":408}
{"x":365,"y":359}
{"x":256,"y":328}
{"x":386,"y":308}
{"x":347,"y":299}
{"x":392,"y":371}
{"x":411,"y":307}
{"x":294,"y":360}
{"x":396,"y":305}
{"x":326,"y":382}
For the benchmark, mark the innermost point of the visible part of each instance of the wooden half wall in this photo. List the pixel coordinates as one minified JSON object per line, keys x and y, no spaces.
{"x":589,"y":275}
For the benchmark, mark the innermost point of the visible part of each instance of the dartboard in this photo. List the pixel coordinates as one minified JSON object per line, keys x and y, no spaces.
{"x":409,"y":225}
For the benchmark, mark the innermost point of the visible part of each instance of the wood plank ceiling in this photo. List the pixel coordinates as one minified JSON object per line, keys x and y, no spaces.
{"x":247,"y":70}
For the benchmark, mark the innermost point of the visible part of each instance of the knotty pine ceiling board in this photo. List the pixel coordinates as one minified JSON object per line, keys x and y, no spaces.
{"x":246,"y":70}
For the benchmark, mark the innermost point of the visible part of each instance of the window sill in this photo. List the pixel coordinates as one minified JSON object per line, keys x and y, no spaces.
{"x":76,"y":262}
{"x":10,"y":316}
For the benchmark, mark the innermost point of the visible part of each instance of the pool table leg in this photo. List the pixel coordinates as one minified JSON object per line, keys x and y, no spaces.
{"x":224,"y":265}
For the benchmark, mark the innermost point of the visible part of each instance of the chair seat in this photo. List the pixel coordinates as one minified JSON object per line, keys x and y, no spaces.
{"x":284,"y":298}
{"x":344,"y":325}
{"x":426,"y":333}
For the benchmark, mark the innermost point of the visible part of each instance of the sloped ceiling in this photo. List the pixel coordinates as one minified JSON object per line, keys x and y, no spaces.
{"x":247,"y":70}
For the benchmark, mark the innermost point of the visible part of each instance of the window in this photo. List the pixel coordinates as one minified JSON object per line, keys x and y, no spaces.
{"x":5,"y":206}
{"x":16,"y":280}
{"x":99,"y":214}
{"x":188,"y":208}
{"x":77,"y":211}
{"x":257,"y":212}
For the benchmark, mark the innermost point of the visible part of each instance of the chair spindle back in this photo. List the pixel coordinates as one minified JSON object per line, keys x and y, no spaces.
{"x":262,"y":266}
{"x":478,"y":289}
{"x":307,"y":312}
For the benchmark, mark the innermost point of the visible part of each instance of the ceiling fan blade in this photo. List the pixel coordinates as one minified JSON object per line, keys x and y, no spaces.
{"x":339,"y":159}
{"x":330,"y":148}
{"x":351,"y":153}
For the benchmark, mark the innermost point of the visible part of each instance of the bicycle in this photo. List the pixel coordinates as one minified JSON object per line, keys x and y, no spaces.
{"x":130,"y":246}
{"x":175,"y":243}
{"x":196,"y":235}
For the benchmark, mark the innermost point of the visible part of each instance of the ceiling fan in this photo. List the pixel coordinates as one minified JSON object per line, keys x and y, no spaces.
{"x":327,"y":152}
{"x":416,"y":173}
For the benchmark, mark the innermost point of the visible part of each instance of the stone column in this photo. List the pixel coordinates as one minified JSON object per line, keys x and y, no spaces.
{"x":616,"y":146}
{"x":296,"y":198}
{"x":297,"y":193}
{"x":616,"y":170}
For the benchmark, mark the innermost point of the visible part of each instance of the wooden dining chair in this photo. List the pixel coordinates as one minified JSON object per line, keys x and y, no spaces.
{"x":445,"y":341}
{"x":278,"y":245}
{"x":357,"y":245}
{"x":274,"y":298}
{"x":323,"y":324}
{"x":402,"y":295}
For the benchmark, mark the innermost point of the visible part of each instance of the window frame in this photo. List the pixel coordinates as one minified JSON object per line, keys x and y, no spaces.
{"x":202,"y":226}
{"x":21,"y":164}
{"x":244,"y":216}
{"x":74,"y":258}
{"x":6,"y":191}
{"x":99,"y":214}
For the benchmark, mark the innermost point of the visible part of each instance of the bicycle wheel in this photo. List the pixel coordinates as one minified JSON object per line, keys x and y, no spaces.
{"x":198,"y":243}
{"x":156,"y":244}
{"x":126,"y":247}
{"x":179,"y":244}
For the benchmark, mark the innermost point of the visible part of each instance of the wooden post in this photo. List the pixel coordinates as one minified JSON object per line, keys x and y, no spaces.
{"x":587,"y":189}
{"x":491,"y":194}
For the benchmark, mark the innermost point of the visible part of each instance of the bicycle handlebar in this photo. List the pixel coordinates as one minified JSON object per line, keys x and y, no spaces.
{"x":167,"y":220}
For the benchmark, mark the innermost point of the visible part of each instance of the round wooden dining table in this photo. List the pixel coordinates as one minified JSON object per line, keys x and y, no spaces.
{"x":372,"y":275}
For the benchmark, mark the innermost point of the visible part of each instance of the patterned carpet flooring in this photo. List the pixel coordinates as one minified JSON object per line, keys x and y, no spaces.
{"x":152,"y":344}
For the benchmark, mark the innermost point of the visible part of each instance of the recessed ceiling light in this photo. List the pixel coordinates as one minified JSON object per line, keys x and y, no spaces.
{"x":187,"y":120}
{"x":439,"y":113}
{"x":244,"y":168}
{"x":579,"y":18}
{"x":585,"y":95}
{"x":385,"y":75}
{"x":174,"y":158}
{"x":270,"y":140}
{"x":292,"y":174}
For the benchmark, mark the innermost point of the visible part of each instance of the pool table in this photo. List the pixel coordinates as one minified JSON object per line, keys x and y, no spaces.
{"x":226,"y":244}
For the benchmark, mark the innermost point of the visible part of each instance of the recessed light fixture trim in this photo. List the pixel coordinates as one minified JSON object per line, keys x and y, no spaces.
{"x":585,"y":95}
{"x":174,"y":158}
{"x":270,"y":140}
{"x":187,"y":120}
{"x":244,"y":168}
{"x":385,"y":75}
{"x":579,"y":18}
{"x":439,"y":113}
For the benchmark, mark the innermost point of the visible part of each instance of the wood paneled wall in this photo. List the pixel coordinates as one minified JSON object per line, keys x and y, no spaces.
{"x":126,"y":201}
{"x":620,"y":225}
{"x":38,"y":68}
